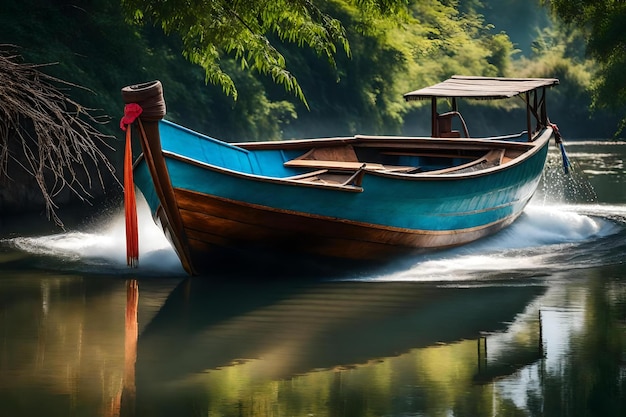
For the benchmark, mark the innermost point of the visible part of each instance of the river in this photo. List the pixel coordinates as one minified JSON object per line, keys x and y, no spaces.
{"x":529,"y":322}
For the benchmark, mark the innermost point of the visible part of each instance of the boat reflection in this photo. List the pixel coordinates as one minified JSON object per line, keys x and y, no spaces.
{"x":276,"y":346}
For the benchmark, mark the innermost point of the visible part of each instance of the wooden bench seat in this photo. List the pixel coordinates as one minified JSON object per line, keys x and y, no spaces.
{"x":345,"y":165}
{"x":430,"y":155}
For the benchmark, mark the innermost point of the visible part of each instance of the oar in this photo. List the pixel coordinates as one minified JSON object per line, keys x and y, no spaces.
{"x":559,"y":141}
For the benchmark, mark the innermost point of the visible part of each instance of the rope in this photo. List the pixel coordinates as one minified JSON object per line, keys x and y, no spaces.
{"x":559,"y":141}
{"x":149,"y":96}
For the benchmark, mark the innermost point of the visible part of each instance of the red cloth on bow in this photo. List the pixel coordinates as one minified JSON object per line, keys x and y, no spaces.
{"x":131,"y":113}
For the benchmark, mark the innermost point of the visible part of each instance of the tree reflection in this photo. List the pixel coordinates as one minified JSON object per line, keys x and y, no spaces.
{"x":130,"y":347}
{"x":590,"y":379}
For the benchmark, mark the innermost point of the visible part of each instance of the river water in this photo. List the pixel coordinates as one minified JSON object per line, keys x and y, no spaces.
{"x":529,"y":322}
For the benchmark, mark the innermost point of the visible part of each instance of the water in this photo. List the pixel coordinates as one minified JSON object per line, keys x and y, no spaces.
{"x":529,"y":322}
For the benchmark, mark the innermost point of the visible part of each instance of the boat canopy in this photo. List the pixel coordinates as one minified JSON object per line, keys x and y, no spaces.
{"x":481,"y":87}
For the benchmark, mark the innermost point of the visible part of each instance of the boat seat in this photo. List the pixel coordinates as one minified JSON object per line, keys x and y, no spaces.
{"x":444,"y":125}
{"x":337,"y":165}
{"x":347,"y":166}
{"x":340,"y":158}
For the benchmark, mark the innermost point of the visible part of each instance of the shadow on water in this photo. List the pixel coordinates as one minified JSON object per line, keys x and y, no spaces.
{"x":266,"y":333}
{"x":180,"y":346}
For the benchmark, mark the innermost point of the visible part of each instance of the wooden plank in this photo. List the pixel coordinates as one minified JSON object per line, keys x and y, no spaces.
{"x":346,"y":166}
{"x":210,"y":221}
{"x":385,"y":142}
{"x":481,"y":87}
{"x":432,"y":155}
{"x":331,"y":153}
{"x":339,"y":165}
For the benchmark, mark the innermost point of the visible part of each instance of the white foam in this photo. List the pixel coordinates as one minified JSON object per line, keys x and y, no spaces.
{"x":104,"y":245}
{"x":529,"y":244}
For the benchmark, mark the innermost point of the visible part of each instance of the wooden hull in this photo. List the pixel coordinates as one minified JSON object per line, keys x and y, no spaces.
{"x":226,"y":211}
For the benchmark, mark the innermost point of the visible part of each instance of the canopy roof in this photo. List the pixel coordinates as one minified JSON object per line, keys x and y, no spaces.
{"x":481,"y":87}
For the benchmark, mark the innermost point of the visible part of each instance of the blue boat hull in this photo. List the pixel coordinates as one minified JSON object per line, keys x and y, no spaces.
{"x":231,"y":203}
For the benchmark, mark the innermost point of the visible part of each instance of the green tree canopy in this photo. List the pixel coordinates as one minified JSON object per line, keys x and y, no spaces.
{"x":245,"y":29}
{"x":603,"y":24}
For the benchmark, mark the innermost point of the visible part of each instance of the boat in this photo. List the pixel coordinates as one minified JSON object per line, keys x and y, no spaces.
{"x":345,"y":201}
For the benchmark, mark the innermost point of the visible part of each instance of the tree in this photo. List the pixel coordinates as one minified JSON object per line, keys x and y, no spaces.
{"x":602,"y":23}
{"x":247,"y":29}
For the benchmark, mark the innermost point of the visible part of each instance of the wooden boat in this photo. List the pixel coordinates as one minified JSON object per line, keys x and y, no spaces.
{"x":349,"y":199}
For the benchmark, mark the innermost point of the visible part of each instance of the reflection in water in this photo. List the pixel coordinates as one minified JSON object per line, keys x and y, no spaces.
{"x":310,"y":349}
{"x":127,"y":394}
{"x":481,"y":348}
{"x":130,"y":347}
{"x":62,"y":342}
{"x":57,"y":344}
{"x":584,"y":337}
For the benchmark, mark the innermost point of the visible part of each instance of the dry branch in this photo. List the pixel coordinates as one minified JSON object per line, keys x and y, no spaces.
{"x":50,"y":136}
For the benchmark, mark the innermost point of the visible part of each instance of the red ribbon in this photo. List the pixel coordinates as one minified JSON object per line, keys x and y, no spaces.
{"x":131,"y":113}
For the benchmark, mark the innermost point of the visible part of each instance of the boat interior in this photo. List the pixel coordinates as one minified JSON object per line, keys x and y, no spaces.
{"x":344,"y":160}
{"x":343,"y":163}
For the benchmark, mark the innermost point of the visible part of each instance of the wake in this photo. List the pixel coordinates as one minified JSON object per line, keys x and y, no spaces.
{"x":542,"y":235}
{"x":544,"y":238}
{"x":101,"y":248}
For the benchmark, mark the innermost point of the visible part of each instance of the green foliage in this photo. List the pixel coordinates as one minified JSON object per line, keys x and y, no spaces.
{"x":243,"y":29}
{"x":389,"y":58}
{"x":557,"y":53}
{"x":520,"y":19}
{"x":351,"y":59}
{"x":110,"y":53}
{"x":602,"y":23}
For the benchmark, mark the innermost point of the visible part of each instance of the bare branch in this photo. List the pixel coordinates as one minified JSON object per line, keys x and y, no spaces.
{"x":46,"y":133}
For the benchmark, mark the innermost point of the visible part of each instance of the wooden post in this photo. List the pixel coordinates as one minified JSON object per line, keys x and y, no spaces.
{"x":544,"y":110}
{"x":528,"y":129}
{"x":536,"y":110}
{"x":433,"y":105}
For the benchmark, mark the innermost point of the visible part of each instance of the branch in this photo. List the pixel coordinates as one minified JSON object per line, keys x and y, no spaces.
{"x":46,"y":133}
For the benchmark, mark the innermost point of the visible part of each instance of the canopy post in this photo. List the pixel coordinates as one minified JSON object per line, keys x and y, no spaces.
{"x":433,"y":105}
{"x":528,"y":128}
{"x":544,"y":110}
{"x":536,"y":110}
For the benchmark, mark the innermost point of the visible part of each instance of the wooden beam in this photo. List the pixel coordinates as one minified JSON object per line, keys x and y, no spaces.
{"x":528,"y":109}
{"x":433,"y":118}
